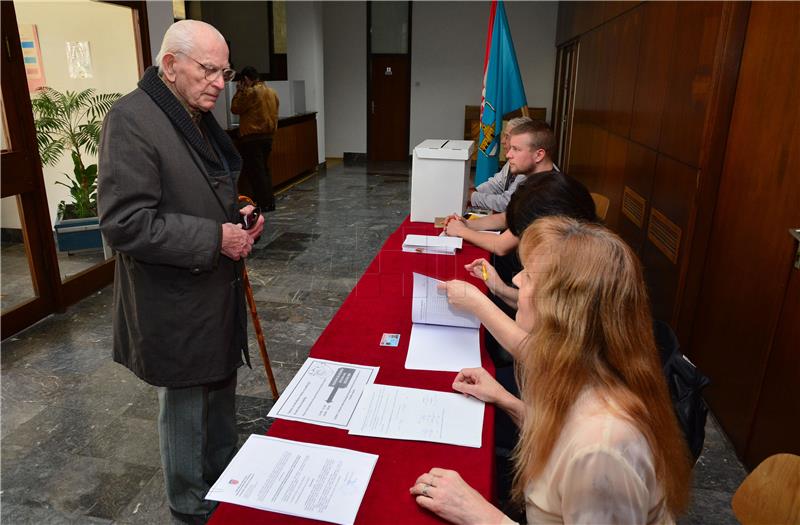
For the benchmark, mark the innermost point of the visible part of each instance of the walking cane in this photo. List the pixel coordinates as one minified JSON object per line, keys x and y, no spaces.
{"x":262,"y":346}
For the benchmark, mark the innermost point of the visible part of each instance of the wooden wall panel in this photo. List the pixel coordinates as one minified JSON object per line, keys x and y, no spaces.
{"x":776,"y":425}
{"x":690,"y":80}
{"x":748,"y":277}
{"x":652,"y":72}
{"x":603,"y":81}
{"x":640,"y":166}
{"x":673,"y":192}
{"x":627,"y":33}
{"x":613,"y":177}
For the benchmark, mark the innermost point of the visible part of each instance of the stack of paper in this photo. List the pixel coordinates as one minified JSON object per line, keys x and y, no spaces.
{"x":422,"y":415}
{"x":432,"y":244}
{"x":324,"y":393}
{"x":442,"y":338}
{"x":300,"y":479}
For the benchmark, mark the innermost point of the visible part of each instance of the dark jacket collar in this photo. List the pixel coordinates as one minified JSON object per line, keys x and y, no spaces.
{"x":152,"y":84}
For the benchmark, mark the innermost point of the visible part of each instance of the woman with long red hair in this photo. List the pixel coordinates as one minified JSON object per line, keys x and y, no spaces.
{"x":599,"y":442}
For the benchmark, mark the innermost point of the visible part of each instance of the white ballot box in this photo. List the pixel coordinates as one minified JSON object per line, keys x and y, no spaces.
{"x":440,"y":178}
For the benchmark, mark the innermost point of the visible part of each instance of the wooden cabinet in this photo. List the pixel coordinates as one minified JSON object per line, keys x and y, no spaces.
{"x":294,"y":147}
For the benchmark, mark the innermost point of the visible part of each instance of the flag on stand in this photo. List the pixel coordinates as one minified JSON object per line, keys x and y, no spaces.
{"x":502,"y":90}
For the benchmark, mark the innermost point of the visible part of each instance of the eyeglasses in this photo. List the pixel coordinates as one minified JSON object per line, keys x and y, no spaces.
{"x":213,"y":73}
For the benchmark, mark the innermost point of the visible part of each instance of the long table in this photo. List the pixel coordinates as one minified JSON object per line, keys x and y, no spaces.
{"x":381,"y":303}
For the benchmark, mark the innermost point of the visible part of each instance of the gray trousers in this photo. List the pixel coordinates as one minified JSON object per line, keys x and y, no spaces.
{"x":198,"y":437}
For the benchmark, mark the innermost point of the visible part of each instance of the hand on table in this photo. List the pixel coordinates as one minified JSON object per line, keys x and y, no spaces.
{"x":480,"y":384}
{"x":443,"y":492}
{"x":462,"y":295}
{"x":455,"y":228}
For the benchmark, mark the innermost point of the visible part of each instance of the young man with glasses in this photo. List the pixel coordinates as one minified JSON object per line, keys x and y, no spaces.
{"x":168,"y":205}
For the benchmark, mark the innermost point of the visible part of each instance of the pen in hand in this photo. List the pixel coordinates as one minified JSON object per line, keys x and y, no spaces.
{"x":484,"y":273}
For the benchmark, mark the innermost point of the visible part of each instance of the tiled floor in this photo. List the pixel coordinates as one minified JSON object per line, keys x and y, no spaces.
{"x":79,"y":441}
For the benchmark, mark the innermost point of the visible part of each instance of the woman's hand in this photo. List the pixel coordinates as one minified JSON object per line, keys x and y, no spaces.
{"x":481,"y":269}
{"x":443,"y":492}
{"x":462,"y":295}
{"x":455,"y":226}
{"x":480,"y":384}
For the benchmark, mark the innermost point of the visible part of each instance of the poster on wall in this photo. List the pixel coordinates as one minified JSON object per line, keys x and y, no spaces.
{"x":79,"y":60}
{"x":31,"y":56}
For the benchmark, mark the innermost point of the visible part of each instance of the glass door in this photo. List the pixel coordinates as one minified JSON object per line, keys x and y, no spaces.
{"x":49,"y":259}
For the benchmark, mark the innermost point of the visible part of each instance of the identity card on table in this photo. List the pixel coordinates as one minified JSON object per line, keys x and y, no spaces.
{"x":299,"y":479}
{"x":420,"y":415}
{"x":324,"y":393}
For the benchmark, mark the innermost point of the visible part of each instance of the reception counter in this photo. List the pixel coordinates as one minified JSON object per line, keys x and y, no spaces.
{"x":294,"y":147}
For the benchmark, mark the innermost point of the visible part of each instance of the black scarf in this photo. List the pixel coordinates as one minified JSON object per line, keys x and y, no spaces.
{"x":152,"y":84}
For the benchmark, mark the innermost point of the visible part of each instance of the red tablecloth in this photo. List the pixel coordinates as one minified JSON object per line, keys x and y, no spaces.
{"x":381,"y":303}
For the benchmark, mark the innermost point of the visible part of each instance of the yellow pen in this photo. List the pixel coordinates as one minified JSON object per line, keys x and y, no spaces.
{"x":484,"y":272}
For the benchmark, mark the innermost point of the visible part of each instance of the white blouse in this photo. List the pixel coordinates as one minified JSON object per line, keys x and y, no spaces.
{"x":600,"y":471}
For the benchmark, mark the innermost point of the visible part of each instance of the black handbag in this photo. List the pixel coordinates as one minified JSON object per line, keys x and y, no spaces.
{"x":686,"y":384}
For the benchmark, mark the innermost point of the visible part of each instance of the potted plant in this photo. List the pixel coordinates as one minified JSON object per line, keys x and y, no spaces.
{"x":71,"y":121}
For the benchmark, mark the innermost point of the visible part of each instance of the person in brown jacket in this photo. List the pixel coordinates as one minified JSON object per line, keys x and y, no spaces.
{"x":257,"y":107}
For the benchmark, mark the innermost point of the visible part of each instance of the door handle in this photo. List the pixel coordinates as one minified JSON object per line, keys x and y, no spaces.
{"x":795,"y":232}
{"x":372,"y":103}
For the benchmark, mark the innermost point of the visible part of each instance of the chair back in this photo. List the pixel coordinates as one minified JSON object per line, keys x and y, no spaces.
{"x":771,"y":493}
{"x":600,"y":205}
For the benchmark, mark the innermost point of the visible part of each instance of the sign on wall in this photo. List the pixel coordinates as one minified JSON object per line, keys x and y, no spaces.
{"x":31,"y":56}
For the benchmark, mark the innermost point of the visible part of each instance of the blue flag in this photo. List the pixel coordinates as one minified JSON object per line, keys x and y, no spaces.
{"x":502,"y":91}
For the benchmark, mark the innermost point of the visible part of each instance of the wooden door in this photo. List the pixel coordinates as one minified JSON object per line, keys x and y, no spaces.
{"x":389,"y":111}
{"x":22,"y":181}
{"x":745,"y":334}
{"x":389,"y":80}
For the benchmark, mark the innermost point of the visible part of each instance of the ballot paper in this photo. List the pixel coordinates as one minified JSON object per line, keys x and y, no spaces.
{"x":299,"y":479}
{"x":324,"y":393}
{"x":442,"y":338}
{"x":432,"y":244}
{"x":420,"y":415}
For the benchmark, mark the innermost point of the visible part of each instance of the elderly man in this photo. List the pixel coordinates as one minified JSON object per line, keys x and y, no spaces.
{"x":495,"y":193}
{"x":168,"y":206}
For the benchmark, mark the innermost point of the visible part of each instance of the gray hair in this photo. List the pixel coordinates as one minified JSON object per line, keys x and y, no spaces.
{"x":514,"y":122}
{"x":180,"y":38}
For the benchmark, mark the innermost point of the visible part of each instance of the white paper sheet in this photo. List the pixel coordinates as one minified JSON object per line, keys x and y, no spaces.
{"x":419,"y":415}
{"x":445,"y":348}
{"x":300,"y":479}
{"x":429,"y":305}
{"x":324,"y":393}
{"x":432,"y":244}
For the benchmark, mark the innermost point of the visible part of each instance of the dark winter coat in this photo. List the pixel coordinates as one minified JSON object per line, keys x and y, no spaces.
{"x":163,"y":193}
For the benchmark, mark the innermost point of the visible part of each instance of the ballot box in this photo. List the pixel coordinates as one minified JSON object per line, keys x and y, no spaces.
{"x":440,"y":178}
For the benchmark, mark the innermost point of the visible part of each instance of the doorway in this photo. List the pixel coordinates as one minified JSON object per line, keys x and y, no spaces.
{"x":563,"y":100}
{"x":38,"y":278}
{"x":388,"y":80}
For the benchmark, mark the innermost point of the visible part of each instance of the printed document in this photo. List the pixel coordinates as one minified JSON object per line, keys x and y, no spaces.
{"x":300,"y":479}
{"x":420,"y":415}
{"x":442,"y":338}
{"x":324,"y":393}
{"x":432,"y":244}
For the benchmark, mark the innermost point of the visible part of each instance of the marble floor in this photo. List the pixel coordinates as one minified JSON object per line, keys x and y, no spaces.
{"x":78,"y":434}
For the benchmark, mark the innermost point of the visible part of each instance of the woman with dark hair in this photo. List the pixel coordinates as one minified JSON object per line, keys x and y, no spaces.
{"x":540,"y":195}
{"x":599,"y":442}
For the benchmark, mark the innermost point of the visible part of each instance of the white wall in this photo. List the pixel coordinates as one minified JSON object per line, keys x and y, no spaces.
{"x":114,"y":65}
{"x":447,"y":49}
{"x":448,"y":46}
{"x":304,"y":55}
{"x":159,"y":18}
{"x":345,"y":38}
